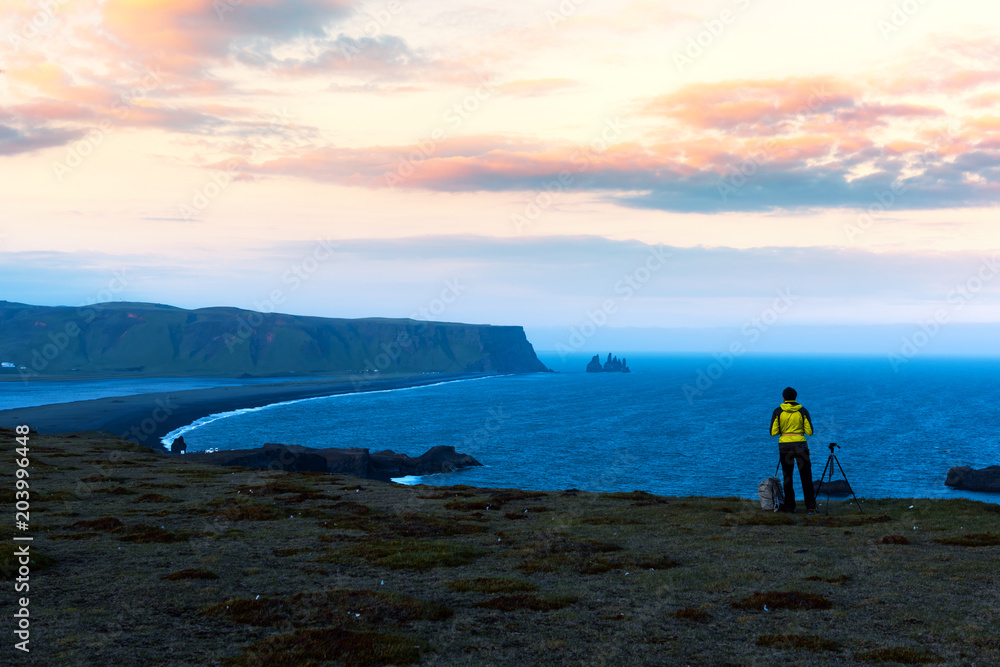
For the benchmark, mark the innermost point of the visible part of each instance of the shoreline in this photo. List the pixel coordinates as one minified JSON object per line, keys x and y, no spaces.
{"x":215,"y":416}
{"x":146,"y":418}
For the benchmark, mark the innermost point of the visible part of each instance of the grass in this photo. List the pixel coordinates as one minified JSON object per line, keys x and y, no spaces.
{"x":799,"y":642}
{"x":762,"y":519}
{"x":154,"y":498}
{"x":840,"y":579}
{"x":143,"y":534}
{"x":408,"y":554}
{"x":191,"y":573}
{"x":491,"y":585}
{"x":204,"y":565}
{"x":302,"y":648}
{"x":330,"y":607}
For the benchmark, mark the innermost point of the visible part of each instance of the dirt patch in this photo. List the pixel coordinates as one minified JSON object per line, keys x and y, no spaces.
{"x":692,"y":614}
{"x":840,"y":579}
{"x":511,"y":495}
{"x":191,"y":573}
{"x":893,"y":539}
{"x":971,"y":540}
{"x":640,"y":498}
{"x":107,"y":524}
{"x":154,"y":498}
{"x":902,"y":654}
{"x":313,"y":647}
{"x":524,"y":601}
{"x":783,"y":600}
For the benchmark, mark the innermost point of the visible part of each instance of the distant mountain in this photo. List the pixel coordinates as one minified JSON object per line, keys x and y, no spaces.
{"x":145,"y":338}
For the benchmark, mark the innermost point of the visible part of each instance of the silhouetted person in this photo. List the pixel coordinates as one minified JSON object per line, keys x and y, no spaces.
{"x":791,"y":423}
{"x":178,"y":446}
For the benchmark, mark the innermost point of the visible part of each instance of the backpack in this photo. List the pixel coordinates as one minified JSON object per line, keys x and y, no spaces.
{"x":771,"y":495}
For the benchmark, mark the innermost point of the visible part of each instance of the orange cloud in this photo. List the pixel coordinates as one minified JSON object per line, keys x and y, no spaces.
{"x":181,"y":33}
{"x":731,"y":104}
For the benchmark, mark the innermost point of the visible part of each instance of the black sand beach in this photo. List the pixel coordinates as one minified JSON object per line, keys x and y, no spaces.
{"x":145,"y":418}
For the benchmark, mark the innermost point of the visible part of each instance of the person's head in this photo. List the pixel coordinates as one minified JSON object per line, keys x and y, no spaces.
{"x":789,"y":394}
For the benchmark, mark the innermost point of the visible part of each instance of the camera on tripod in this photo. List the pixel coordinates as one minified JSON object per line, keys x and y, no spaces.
{"x":829,"y":464}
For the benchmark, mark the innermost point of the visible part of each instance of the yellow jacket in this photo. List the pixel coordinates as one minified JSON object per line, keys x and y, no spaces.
{"x":791,"y":422}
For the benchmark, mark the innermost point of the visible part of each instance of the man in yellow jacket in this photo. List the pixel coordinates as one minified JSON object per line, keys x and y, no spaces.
{"x":791,"y":423}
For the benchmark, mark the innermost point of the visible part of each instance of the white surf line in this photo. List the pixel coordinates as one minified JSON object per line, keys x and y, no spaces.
{"x":169,"y":438}
{"x":410,"y":480}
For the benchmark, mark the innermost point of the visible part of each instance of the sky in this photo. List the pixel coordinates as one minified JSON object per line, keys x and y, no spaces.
{"x":567,"y":166}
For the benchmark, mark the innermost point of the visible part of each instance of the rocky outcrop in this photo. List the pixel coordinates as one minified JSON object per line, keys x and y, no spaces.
{"x":838,"y":487}
{"x":442,"y":458}
{"x":354,"y":461}
{"x":966,"y":478}
{"x":178,"y":446}
{"x":612,"y":365}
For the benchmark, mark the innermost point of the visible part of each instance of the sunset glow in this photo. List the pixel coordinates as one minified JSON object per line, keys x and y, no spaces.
{"x":532,"y":150}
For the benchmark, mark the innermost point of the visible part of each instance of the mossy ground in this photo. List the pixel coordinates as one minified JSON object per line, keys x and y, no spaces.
{"x":194,"y":564}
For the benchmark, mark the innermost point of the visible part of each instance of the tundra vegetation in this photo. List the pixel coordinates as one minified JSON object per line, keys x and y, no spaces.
{"x":140,"y":557}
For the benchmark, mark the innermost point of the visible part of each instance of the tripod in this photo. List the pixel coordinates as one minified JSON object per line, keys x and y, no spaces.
{"x":829,"y":464}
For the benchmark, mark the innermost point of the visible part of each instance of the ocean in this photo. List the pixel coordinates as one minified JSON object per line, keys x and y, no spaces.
{"x":25,"y":394}
{"x":676,"y":425}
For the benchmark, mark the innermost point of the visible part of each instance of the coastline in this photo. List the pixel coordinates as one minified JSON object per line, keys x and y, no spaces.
{"x":146,"y":418}
{"x":208,"y":419}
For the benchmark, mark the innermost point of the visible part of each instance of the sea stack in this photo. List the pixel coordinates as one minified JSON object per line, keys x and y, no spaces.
{"x":178,"y":446}
{"x":612,"y":365}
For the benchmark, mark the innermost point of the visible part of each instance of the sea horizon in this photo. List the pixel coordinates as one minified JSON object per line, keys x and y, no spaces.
{"x":614,"y":426}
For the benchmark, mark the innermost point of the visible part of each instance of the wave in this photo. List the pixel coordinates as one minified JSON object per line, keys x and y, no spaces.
{"x":169,"y":438}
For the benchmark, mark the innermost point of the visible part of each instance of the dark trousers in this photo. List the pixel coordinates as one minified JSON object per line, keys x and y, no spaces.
{"x":789,"y":455}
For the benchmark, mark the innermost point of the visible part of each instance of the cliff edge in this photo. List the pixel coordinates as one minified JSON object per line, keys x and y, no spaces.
{"x":153,"y":339}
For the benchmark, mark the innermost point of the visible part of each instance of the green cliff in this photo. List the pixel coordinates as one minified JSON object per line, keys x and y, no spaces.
{"x":147,"y":339}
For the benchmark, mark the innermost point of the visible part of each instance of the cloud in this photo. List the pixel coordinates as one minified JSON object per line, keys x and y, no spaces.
{"x":709,"y":174}
{"x":383,"y":54}
{"x":14,"y":141}
{"x":190,"y":30}
{"x":537,"y":281}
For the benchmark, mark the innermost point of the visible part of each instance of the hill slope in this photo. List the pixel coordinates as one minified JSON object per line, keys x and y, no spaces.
{"x":157,"y":339}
